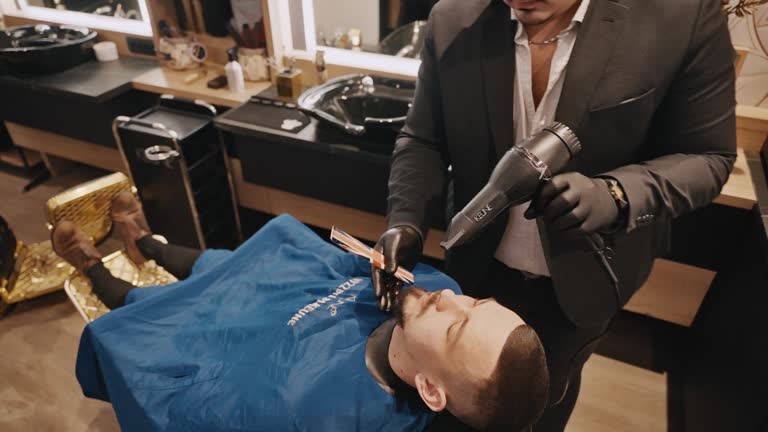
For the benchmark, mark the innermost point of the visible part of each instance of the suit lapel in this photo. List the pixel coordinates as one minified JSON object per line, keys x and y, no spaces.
{"x":455,"y":17}
{"x":499,"y":78}
{"x":597,"y":38}
{"x":594,"y":45}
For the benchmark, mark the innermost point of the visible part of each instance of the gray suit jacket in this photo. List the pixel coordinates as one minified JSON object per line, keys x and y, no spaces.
{"x":649,"y":90}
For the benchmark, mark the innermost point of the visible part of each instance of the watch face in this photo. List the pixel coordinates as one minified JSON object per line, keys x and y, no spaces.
{"x":617,"y":193}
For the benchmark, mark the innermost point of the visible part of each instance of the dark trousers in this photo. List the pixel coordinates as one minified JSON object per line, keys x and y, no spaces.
{"x":567,"y":346}
{"x":177,"y":260}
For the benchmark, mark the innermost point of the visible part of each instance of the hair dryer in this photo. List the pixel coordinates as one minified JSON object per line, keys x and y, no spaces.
{"x":516,"y":178}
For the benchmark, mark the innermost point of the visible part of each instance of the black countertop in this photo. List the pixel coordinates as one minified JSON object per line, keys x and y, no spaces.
{"x":377,"y":144}
{"x":319,"y":161}
{"x":91,"y":81}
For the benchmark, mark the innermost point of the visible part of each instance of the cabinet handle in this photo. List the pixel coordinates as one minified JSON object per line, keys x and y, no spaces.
{"x":160,"y":153}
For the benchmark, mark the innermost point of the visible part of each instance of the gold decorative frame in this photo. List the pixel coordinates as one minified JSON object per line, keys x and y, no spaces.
{"x":39,"y":271}
{"x":88,"y":205}
{"x":80,"y":291}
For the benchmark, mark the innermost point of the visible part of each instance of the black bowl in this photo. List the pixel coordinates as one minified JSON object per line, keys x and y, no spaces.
{"x":42,"y":49}
{"x":359,"y":103}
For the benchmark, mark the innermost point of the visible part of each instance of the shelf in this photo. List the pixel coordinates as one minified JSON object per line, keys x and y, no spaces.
{"x":216,"y":46}
{"x":166,"y":81}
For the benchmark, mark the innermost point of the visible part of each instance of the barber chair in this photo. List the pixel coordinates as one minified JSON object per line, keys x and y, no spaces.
{"x":27,"y":271}
{"x":88,"y":205}
{"x":79,"y":289}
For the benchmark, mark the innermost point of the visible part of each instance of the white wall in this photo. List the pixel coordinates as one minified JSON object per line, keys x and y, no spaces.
{"x":6,"y":5}
{"x":346,"y":14}
{"x":752,"y":32}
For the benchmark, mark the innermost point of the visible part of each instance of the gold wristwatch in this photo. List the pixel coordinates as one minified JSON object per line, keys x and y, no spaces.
{"x":620,"y":198}
{"x":617,"y":193}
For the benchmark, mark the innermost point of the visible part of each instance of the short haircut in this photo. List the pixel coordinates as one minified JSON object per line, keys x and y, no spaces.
{"x":516,"y":394}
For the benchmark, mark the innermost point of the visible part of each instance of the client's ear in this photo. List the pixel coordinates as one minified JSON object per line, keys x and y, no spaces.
{"x":432,"y":394}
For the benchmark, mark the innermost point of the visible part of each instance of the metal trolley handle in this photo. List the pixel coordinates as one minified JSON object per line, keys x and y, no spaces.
{"x":189,"y":104}
{"x":160,"y":153}
{"x":159,"y":126}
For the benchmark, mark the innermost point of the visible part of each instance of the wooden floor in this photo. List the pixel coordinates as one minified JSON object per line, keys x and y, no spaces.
{"x":38,"y":339}
{"x":617,"y":397}
{"x":38,"y":345}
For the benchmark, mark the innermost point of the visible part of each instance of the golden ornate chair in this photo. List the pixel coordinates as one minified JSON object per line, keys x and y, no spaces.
{"x":88,"y":205}
{"x":27,"y":271}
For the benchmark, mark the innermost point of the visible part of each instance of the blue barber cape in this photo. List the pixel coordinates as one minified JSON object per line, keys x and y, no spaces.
{"x":269,"y":337}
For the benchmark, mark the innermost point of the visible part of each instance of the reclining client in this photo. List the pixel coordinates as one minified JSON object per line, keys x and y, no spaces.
{"x":283,"y":334}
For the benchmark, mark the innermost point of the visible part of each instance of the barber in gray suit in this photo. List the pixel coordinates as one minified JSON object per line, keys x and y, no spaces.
{"x":646,"y":85}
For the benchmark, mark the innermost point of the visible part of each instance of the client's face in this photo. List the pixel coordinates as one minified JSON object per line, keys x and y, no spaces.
{"x":457,"y":338}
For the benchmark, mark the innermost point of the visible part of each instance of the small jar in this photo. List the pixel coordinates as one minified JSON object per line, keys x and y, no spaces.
{"x":180,"y":53}
{"x":254,"y":63}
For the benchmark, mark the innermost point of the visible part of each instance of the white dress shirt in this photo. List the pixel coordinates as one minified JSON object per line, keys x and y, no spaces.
{"x":520,"y":247}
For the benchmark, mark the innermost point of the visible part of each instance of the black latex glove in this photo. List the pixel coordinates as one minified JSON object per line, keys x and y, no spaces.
{"x":401,"y":247}
{"x":573,"y":201}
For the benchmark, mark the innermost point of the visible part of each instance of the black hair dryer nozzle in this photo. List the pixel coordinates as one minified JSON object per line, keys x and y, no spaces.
{"x":516,"y":178}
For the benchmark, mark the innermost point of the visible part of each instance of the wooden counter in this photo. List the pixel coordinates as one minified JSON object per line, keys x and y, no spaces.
{"x":165,"y":81}
{"x":739,"y":191}
{"x":752,"y":122}
{"x":751,"y":128}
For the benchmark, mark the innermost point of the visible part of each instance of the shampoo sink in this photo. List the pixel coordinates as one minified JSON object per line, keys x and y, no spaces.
{"x":41,"y":49}
{"x":357,"y":103}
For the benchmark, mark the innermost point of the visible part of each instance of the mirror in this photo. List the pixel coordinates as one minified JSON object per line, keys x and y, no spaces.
{"x":392,"y":27}
{"x":127,"y":9}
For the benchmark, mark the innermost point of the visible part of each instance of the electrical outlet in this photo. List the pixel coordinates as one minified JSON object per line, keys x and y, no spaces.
{"x":141,"y":46}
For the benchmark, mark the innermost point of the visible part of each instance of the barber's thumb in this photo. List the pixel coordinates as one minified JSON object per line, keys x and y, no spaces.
{"x":390,"y":258}
{"x":379,"y":288}
{"x":390,"y":264}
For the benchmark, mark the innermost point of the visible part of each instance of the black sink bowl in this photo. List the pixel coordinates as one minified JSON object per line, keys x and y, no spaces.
{"x":43,"y":49}
{"x":359,"y":103}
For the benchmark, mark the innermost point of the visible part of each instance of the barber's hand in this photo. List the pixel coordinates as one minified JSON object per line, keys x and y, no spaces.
{"x":401,"y":247}
{"x":573,"y":201}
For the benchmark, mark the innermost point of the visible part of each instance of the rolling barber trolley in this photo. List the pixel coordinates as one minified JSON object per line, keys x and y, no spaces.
{"x":180,"y":168}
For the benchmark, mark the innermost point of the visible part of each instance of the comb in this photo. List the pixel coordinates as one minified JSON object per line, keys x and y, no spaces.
{"x":355,"y":246}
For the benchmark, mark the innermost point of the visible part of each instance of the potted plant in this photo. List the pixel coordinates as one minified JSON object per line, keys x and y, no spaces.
{"x":741,"y":7}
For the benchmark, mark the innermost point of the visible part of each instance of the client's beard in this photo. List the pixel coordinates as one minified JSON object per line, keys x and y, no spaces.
{"x":408,"y":295}
{"x":399,"y":308}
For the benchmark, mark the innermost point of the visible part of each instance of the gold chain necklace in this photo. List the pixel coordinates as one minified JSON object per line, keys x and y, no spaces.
{"x":553,"y":39}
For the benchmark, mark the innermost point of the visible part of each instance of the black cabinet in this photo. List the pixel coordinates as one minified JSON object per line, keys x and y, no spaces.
{"x":180,"y":169}
{"x":310,"y":160}
{"x":80,"y":102}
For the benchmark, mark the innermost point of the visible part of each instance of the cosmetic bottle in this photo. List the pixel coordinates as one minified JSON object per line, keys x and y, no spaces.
{"x":234,"y":73}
